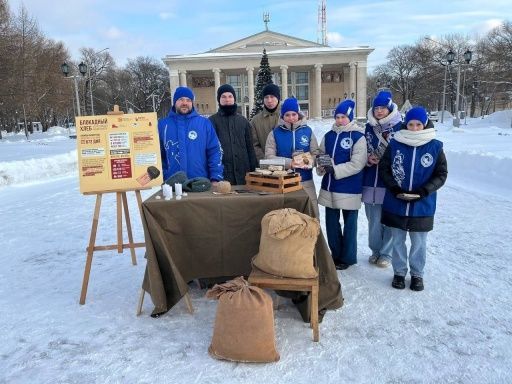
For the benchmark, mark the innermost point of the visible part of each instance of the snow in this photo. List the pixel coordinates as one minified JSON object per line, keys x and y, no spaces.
{"x":457,"y":330}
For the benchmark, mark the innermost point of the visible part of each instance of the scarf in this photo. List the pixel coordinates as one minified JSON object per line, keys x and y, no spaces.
{"x":415,"y":138}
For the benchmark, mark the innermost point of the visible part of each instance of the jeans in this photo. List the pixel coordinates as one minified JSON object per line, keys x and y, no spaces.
{"x":379,"y":236}
{"x":343,"y":245}
{"x":417,"y":254}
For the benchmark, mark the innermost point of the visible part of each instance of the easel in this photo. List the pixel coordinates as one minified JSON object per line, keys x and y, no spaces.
{"x":122,"y":203}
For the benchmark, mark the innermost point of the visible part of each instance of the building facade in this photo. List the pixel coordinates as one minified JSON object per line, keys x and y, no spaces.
{"x":317,"y":75}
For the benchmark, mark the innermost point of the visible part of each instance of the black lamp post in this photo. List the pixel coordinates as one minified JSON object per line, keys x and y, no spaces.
{"x":65,"y":70}
{"x":450,"y":56}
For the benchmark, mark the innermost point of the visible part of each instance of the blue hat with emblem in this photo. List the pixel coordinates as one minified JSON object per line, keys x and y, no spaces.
{"x":346,"y":107}
{"x":383,"y":99}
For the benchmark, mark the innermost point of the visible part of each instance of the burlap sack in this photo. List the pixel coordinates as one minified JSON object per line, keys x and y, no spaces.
{"x":244,"y":324}
{"x":287,"y":244}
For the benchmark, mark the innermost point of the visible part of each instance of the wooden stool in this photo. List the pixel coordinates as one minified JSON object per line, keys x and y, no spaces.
{"x":265,"y":280}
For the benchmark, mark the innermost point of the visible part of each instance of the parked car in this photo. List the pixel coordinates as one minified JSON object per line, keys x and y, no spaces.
{"x":434,"y":116}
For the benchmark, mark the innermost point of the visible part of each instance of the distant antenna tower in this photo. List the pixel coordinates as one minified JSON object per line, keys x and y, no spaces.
{"x":322,"y":23}
{"x":266,"y":19}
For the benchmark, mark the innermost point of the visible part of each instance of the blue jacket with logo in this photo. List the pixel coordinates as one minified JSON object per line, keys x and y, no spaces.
{"x":189,"y":143}
{"x":289,"y":141}
{"x":412,"y":167}
{"x":339,"y":146}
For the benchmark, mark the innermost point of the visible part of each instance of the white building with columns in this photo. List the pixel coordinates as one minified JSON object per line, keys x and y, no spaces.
{"x":318,"y":76}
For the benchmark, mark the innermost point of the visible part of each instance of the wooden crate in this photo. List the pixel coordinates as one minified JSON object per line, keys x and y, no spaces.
{"x":277,"y":184}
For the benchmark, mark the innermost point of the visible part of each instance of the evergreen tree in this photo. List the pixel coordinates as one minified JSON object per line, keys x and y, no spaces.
{"x":264,"y":78}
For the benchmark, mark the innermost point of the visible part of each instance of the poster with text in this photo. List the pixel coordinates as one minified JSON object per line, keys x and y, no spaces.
{"x":118,"y":152}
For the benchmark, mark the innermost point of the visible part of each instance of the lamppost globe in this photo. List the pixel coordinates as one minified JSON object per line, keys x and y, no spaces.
{"x":467,"y":56}
{"x":82,"y":67}
{"x":65,"y":69}
{"x":450,"y":56}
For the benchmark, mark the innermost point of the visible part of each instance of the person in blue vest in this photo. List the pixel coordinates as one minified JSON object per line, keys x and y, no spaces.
{"x":290,"y":137}
{"x":384,"y":119}
{"x":188,"y":141}
{"x":413,"y":168}
{"x":342,"y":183}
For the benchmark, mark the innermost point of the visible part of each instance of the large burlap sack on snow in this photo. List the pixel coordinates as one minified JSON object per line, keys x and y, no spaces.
{"x":287,"y":244}
{"x":244,"y":324}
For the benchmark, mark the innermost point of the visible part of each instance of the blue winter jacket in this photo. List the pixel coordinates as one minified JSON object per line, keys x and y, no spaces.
{"x":189,"y":143}
{"x":412,"y":167}
{"x":339,"y":147}
{"x":288,"y":142}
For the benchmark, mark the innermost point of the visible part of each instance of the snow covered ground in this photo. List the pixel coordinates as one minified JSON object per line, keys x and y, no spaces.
{"x":456,"y":331}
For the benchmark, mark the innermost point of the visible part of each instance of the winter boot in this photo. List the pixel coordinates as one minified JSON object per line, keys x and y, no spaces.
{"x":398,"y":282}
{"x":417,"y":283}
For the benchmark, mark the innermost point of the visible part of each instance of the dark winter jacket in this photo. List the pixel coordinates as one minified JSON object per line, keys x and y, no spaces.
{"x":234,"y":132}
{"x":189,"y":143}
{"x":421,"y":170}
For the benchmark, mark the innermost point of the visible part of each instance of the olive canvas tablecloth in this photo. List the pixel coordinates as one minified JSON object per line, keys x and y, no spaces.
{"x":205,"y":235}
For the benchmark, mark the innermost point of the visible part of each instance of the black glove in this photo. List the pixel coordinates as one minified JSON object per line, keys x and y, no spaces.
{"x":422,"y":192}
{"x":396,"y":190}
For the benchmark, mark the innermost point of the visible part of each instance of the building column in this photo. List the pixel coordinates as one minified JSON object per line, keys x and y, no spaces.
{"x":174,"y":80}
{"x":361,"y":101}
{"x":317,"y":110}
{"x":250,"y":83}
{"x":183,"y":78}
{"x":346,"y":83}
{"x":284,"y":81}
{"x":352,"y":82}
{"x":216,"y":76}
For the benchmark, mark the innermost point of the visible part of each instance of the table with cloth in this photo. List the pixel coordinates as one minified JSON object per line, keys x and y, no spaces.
{"x":206,"y":235}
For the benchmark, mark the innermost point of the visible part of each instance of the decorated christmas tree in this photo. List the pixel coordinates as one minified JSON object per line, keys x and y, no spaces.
{"x":264,"y":78}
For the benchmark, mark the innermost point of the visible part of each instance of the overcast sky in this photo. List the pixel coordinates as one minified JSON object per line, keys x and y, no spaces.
{"x":132,"y":28}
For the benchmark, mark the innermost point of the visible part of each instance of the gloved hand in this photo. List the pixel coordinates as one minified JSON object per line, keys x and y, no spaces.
{"x":420,"y":191}
{"x":396,"y":190}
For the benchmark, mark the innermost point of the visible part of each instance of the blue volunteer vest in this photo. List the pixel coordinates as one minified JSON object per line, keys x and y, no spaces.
{"x":339,"y":147}
{"x":288,"y":142}
{"x":412,"y":167}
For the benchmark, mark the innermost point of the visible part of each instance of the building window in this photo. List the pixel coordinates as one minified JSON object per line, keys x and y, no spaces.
{"x":298,"y":86}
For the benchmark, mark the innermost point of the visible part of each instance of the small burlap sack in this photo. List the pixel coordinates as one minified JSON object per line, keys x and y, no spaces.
{"x":287,"y":244}
{"x":244,"y":324}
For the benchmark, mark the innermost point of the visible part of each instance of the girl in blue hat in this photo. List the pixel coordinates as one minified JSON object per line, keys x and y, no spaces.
{"x":342,"y":183}
{"x":413,"y":168}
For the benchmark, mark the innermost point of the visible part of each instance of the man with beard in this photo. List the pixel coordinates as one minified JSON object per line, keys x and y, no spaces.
{"x":188,"y":141}
{"x":234,"y":133}
{"x":266,"y":120}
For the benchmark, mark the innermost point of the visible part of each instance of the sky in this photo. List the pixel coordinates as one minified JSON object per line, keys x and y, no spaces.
{"x":456,"y":331}
{"x":158,"y":28}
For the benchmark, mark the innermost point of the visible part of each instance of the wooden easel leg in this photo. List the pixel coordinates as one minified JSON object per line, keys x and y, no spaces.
{"x":129,"y":228}
{"x":119,"y":222}
{"x":188,"y":302}
{"x":314,"y":313}
{"x":90,"y":249}
{"x":139,"y":201}
{"x":141,"y":301}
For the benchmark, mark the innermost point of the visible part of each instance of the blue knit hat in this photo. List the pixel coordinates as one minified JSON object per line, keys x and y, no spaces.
{"x":182,"y":92}
{"x":383,"y":99}
{"x":346,"y":107}
{"x":417,"y":113}
{"x":290,"y":104}
{"x":271,"y":89}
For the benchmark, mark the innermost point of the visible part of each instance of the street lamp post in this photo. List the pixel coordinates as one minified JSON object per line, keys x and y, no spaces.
{"x":450,"y":56}
{"x":467,"y":58}
{"x":65,"y":70}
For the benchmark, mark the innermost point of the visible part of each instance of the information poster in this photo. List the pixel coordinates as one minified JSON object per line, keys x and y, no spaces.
{"x":118,"y":152}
